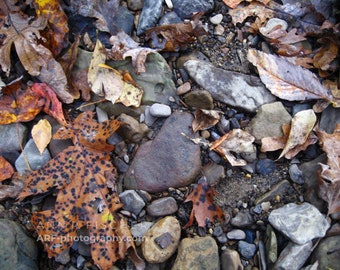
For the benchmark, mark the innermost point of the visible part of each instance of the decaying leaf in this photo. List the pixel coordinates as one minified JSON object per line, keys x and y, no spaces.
{"x":13,"y":189}
{"x":205,"y":119}
{"x":288,"y":81}
{"x":330,"y":192}
{"x":326,"y":54}
{"x":42,"y":134}
{"x":80,"y":174}
{"x":203,"y":208}
{"x":6,"y":169}
{"x":23,"y":34}
{"x":175,"y":37}
{"x":236,"y":141}
{"x":234,"y":3}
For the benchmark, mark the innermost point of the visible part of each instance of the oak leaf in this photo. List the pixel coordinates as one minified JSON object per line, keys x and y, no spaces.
{"x":42,"y":134}
{"x":6,"y":169}
{"x":203,"y":208}
{"x":81,"y":173}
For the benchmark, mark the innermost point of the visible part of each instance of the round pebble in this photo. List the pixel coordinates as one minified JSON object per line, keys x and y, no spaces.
{"x":246,"y":250}
{"x":296,"y":174}
{"x":236,"y":234}
{"x":217,"y":19}
{"x":184,"y":88}
{"x":160,"y":110}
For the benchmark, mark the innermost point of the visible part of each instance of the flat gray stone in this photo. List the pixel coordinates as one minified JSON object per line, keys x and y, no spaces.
{"x":162,"y":207}
{"x":151,"y":12}
{"x":33,"y":156}
{"x":131,"y":201}
{"x":232,"y":88}
{"x":185,"y":8}
{"x":17,"y":250}
{"x":12,"y":136}
{"x":170,"y":160}
{"x":300,"y":223}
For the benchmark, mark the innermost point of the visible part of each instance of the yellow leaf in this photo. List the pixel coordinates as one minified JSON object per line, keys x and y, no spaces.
{"x":42,"y":134}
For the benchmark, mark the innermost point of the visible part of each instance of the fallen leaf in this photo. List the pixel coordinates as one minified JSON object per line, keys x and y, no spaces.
{"x":205,"y":119}
{"x":80,"y":173}
{"x":13,"y":189}
{"x":235,"y":141}
{"x":6,"y":169}
{"x":329,"y":191}
{"x":326,"y":54}
{"x":42,"y":134}
{"x":203,"y":208}
{"x":235,"y":3}
{"x":56,"y":32}
{"x":23,"y":33}
{"x":288,"y":81}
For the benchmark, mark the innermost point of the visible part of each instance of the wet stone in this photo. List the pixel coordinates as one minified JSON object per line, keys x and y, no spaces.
{"x":236,"y":234}
{"x":132,"y":202}
{"x":300,"y":223}
{"x":162,"y":207}
{"x":271,"y":246}
{"x":12,"y":136}
{"x":246,"y":249}
{"x":200,"y":99}
{"x":213,"y":173}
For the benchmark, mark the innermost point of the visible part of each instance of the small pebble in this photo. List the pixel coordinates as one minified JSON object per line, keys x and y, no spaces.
{"x":184,"y":88}
{"x":246,"y":250}
{"x":219,"y":30}
{"x":160,"y":110}
{"x":236,"y":234}
{"x":265,"y":166}
{"x":169,"y":4}
{"x":296,"y":174}
{"x":217,"y":19}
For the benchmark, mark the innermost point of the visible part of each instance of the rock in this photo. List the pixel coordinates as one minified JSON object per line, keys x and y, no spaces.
{"x":265,"y":166}
{"x":294,"y":256}
{"x":242,"y":219}
{"x":232,"y":88}
{"x":156,"y":82}
{"x":197,"y":253}
{"x":12,"y":137}
{"x":138,"y":231}
{"x":132,"y":202}
{"x":131,"y":130}
{"x":294,"y":221}
{"x":184,"y":88}
{"x":327,"y":253}
{"x":280,"y":189}
{"x":169,"y":18}
{"x":135,"y":4}
{"x":33,"y":156}
{"x":300,"y":107}
{"x":271,"y":246}
{"x":149,"y":119}
{"x":200,"y":99}
{"x":124,"y":19}
{"x":230,"y":260}
{"x":162,"y":207}
{"x":167,"y":161}
{"x":17,"y":250}
{"x":161,"y":240}
{"x":246,"y":249}
{"x":216,"y":19}
{"x":329,"y":118}
{"x":160,"y":110}
{"x":236,"y":234}
{"x":213,"y":173}
{"x":64,"y":257}
{"x":186,"y":8}
{"x":219,"y":30}
{"x":56,"y":146}
{"x":268,"y":121}
{"x":195,"y":55}
{"x":151,"y":12}
{"x":295,"y":174}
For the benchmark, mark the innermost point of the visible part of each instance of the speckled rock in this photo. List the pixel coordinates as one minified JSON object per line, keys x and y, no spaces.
{"x":185,"y":8}
{"x":294,"y":221}
{"x":197,"y":253}
{"x":199,"y":99}
{"x":232,"y":88}
{"x":151,"y":13}
{"x":132,"y":201}
{"x":170,"y":160}
{"x":162,"y":207}
{"x":161,"y":240}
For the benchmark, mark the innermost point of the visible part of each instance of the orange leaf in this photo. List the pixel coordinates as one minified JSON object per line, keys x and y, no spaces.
{"x":42,"y":134}
{"x":203,"y":208}
{"x":6,"y":169}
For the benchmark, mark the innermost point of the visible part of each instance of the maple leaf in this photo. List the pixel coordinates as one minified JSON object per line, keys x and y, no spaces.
{"x":203,"y":208}
{"x":23,"y":34}
{"x":80,"y":173}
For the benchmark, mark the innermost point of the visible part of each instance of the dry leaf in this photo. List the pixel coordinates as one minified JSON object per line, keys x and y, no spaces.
{"x":326,"y":54}
{"x":42,"y":134}
{"x":234,"y":3}
{"x":203,"y":208}
{"x":6,"y":169}
{"x":205,"y":119}
{"x":236,"y":141}
{"x":286,"y":80}
{"x":13,"y":189}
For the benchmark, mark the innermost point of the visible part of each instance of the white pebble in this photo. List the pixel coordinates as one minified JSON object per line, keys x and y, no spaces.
{"x":169,"y":4}
{"x":160,"y":110}
{"x":217,"y":19}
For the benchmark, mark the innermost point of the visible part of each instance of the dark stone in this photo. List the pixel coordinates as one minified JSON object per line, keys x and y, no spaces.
{"x":164,"y":240}
{"x":265,"y":166}
{"x":151,"y":12}
{"x":124,"y":19}
{"x":170,"y":18}
{"x":185,"y":8}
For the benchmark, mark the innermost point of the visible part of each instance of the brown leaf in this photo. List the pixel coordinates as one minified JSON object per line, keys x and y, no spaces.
{"x":23,"y":34}
{"x":326,"y":54}
{"x":286,"y":80}
{"x":236,"y":141}
{"x":203,"y":208}
{"x":205,"y":119}
{"x":234,"y":3}
{"x":330,"y":192}
{"x":80,"y":173}
{"x":6,"y":169}
{"x":42,"y":134}
{"x":13,"y":189}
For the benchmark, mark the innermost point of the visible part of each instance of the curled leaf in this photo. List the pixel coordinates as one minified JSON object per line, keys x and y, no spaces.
{"x":205,"y":119}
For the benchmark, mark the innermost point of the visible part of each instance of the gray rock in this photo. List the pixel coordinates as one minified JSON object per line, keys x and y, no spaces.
{"x":64,"y":257}
{"x":268,"y":121}
{"x":160,"y":110}
{"x":138,"y":231}
{"x":170,"y":18}
{"x":12,"y":136}
{"x":17,"y":250}
{"x":149,"y":119}
{"x":151,"y":12}
{"x":135,"y":4}
{"x":232,"y":88}
{"x":132,"y":201}
{"x":162,"y":207}
{"x":200,"y":99}
{"x":329,"y":118}
{"x":296,"y":174}
{"x":131,"y":130}
{"x":185,"y":8}
{"x":246,"y":249}
{"x":300,"y":107}
{"x":170,"y":160}
{"x":236,"y":234}
{"x":280,"y":189}
{"x":213,"y":173}
{"x":33,"y":156}
{"x":242,"y":219}
{"x":327,"y":253}
{"x":124,"y":19}
{"x":271,"y":246}
{"x":230,"y":260}
{"x":197,"y":253}
{"x":294,"y":256}
{"x":156,"y":82}
{"x":300,"y":223}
